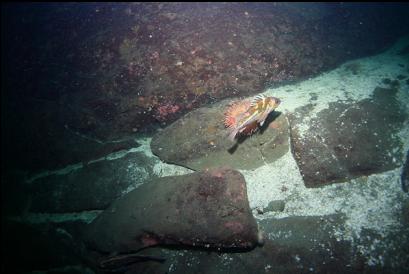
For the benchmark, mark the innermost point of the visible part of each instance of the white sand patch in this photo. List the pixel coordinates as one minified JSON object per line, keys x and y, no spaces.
{"x":269,"y":182}
{"x":372,"y":202}
{"x":73,"y":167}
{"x":341,"y":83}
{"x":145,"y":146}
{"x":61,"y":171}
{"x":138,"y":176}
{"x":281,"y":180}
{"x":160,"y":169}
{"x":40,"y":218}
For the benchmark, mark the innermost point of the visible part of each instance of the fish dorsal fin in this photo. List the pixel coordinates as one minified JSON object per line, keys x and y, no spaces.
{"x":257,"y":99}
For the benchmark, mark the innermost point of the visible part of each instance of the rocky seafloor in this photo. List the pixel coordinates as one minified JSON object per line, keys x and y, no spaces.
{"x":79,"y":78}
{"x":322,"y":188}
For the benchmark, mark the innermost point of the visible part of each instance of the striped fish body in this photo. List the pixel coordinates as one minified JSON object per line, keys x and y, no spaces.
{"x":255,"y":114}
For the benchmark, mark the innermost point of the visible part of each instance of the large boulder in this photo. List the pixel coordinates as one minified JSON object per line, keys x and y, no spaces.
{"x":348,"y":140}
{"x":199,"y":141}
{"x":203,"y":209}
{"x":92,"y":187}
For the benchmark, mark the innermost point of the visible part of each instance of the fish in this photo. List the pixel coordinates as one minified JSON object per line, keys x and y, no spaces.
{"x":244,"y":117}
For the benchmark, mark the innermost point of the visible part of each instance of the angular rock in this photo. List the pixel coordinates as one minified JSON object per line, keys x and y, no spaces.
{"x":302,"y":231}
{"x":199,"y":141}
{"x":348,"y":140}
{"x":94,"y":186}
{"x":206,"y":209}
{"x":301,"y":242}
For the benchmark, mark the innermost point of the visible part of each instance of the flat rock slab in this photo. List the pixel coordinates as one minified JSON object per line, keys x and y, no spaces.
{"x":203,"y":209}
{"x":94,"y":186}
{"x":199,"y":141}
{"x":301,"y":244}
{"x":348,"y":140}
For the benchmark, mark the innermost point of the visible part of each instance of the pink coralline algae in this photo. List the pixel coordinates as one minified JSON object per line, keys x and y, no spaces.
{"x":164,"y":111}
{"x":234,"y":226}
{"x":148,"y":240}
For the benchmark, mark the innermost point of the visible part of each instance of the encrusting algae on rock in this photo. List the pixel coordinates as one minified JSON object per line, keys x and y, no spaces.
{"x":244,"y":116}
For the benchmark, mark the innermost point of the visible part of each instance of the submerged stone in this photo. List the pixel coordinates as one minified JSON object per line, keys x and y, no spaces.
{"x":203,"y":209}
{"x":94,"y":186}
{"x":199,"y":141}
{"x":348,"y":140}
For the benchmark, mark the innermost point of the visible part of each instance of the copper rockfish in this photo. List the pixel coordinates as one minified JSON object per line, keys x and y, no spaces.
{"x":244,"y":116}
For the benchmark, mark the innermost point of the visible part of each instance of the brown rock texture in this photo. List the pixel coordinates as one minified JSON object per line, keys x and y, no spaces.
{"x":199,"y":141}
{"x":204,"y":209}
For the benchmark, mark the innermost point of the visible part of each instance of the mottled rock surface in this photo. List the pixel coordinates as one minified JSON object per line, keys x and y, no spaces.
{"x":348,"y":140}
{"x":293,"y":245}
{"x":206,"y":209}
{"x":405,"y":174}
{"x":298,"y":244}
{"x":107,"y":70}
{"x":94,"y":186}
{"x":199,"y":141}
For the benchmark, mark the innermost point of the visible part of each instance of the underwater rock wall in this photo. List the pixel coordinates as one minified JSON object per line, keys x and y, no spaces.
{"x":110,"y":70}
{"x":356,"y":226}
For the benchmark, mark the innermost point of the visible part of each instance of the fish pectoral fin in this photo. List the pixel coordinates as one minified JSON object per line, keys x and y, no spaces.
{"x":232,"y":135}
{"x":262,"y":119}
